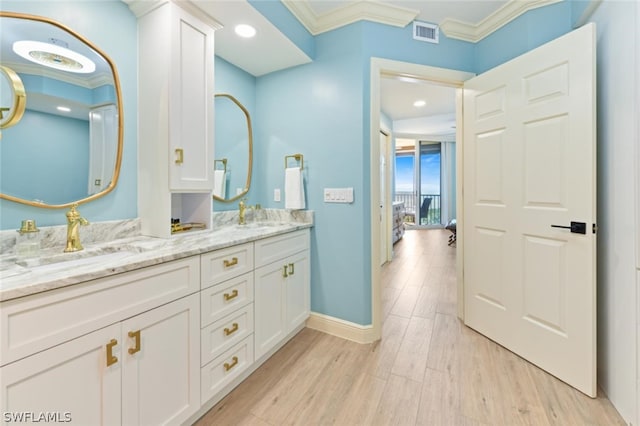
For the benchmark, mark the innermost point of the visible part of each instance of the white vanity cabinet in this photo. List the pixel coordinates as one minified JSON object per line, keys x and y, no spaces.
{"x":176,"y":92}
{"x":227,"y":317}
{"x":118,"y":350}
{"x":281,"y":288}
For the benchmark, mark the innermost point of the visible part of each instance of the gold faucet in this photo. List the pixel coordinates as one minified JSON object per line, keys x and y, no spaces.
{"x":74,"y":220}
{"x":242,"y":207}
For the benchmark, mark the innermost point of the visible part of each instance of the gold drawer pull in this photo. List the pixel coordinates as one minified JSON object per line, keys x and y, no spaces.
{"x":228,"y":296}
{"x":135,"y":335}
{"x":284,"y":271}
{"x":180,"y":154}
{"x":228,"y":366}
{"x":233,"y":329}
{"x":233,"y":261}
{"x":110,"y":358}
{"x":291,"y":269}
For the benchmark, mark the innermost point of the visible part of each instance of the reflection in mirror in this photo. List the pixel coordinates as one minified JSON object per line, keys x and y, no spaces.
{"x":68,"y":146}
{"x":12,"y":98}
{"x":234,"y":149}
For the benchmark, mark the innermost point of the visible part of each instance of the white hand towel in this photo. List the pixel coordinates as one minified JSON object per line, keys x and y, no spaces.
{"x":219,"y":183}
{"x":293,"y":188}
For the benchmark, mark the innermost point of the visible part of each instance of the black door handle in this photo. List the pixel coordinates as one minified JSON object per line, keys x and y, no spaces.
{"x":576,"y":227}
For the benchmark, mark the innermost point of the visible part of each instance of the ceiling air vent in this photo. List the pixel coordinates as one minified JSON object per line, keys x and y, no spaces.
{"x":425,"y":32}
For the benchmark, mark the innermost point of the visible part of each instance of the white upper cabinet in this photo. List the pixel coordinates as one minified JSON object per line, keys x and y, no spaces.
{"x":191,"y":95}
{"x":176,"y":93}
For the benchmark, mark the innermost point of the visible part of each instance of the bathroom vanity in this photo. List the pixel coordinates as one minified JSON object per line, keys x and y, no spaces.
{"x":150,"y":331}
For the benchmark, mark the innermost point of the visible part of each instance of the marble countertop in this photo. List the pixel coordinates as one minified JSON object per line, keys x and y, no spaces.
{"x":55,"y":269}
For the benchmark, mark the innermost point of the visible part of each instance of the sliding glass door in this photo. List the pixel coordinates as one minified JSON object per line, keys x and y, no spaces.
{"x":427,"y":185}
{"x":429,"y":174}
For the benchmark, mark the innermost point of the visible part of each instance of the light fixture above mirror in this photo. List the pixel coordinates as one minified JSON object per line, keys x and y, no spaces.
{"x":54,"y":56}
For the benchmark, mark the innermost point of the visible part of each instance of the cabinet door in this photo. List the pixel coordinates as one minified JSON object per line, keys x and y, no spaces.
{"x":297,"y":290}
{"x":69,"y":382}
{"x":269,"y":302}
{"x":191,"y":106}
{"x":161,"y":368}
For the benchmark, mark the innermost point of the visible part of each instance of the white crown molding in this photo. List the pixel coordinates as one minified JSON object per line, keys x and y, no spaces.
{"x":355,"y":11}
{"x":79,"y":80}
{"x":589,"y":11}
{"x":142,"y":7}
{"x":475,"y":32}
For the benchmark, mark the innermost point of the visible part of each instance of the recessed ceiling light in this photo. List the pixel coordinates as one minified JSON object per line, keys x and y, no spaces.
{"x":244,"y":30}
{"x":63,"y":109}
{"x":419,"y":104}
{"x":53,"y":56}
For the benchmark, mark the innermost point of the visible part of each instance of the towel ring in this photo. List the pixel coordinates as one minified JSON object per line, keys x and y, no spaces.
{"x":298,"y":157}
{"x":224,"y":163}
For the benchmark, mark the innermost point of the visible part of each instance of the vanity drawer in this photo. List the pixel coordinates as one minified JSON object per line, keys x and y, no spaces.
{"x":275,"y":248}
{"x":220,"y":265}
{"x":38,"y":322}
{"x":223,"y":299}
{"x":221,"y":335}
{"x":224,"y":369}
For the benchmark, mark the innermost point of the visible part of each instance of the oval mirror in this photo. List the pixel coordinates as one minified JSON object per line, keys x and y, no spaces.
{"x":234,"y":149}
{"x":67,"y":148}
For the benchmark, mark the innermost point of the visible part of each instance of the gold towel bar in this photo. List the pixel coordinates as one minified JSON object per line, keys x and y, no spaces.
{"x":298,"y":157}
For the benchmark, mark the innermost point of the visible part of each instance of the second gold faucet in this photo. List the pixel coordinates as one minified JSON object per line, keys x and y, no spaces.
{"x":74,"y":221}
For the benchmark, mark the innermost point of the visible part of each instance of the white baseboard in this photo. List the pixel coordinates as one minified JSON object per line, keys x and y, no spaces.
{"x":341,"y":328}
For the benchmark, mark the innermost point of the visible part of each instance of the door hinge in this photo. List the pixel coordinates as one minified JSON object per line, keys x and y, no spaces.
{"x":594,"y":228}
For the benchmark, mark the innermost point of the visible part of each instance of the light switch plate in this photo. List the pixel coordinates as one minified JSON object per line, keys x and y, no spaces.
{"x":338,"y":195}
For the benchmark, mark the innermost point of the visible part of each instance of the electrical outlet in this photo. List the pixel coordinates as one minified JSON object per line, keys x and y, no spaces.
{"x":276,"y":195}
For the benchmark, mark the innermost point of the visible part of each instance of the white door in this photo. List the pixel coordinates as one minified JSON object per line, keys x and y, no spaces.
{"x":297,"y":290}
{"x":384,"y":238}
{"x":161,"y":364}
{"x":70,"y":382}
{"x":529,"y":156}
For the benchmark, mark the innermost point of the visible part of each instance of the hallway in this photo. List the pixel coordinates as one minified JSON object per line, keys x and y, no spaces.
{"x":428,"y":369}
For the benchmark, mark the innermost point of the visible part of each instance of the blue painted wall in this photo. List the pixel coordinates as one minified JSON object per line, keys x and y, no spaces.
{"x":525,"y":33}
{"x":281,"y":17}
{"x":26,"y":152}
{"x":95,"y":21}
{"x":317,"y":110}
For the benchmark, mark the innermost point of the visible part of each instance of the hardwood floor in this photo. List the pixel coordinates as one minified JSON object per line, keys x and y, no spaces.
{"x":428,"y":368}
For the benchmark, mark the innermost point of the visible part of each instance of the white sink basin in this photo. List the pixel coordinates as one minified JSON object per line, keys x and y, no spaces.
{"x":90,"y":254}
{"x":103,"y":259}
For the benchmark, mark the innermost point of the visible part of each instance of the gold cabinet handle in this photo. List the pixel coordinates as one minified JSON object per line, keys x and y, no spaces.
{"x":291,"y":271}
{"x":284,"y":271}
{"x":233,"y":329}
{"x":233,"y":261}
{"x":229,"y":366}
{"x":135,"y":335}
{"x":110,"y":358}
{"x":228,"y":296}
{"x":180,"y":154}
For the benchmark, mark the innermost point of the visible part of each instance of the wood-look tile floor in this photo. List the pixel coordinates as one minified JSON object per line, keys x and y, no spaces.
{"x":428,"y":368}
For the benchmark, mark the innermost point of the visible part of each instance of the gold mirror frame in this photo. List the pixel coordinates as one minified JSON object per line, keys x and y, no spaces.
{"x":250,"y":160}
{"x":116,"y":83}
{"x":19,"y":101}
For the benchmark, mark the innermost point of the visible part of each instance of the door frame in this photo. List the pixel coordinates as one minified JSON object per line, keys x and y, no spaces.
{"x":387,"y":212}
{"x":429,"y":74}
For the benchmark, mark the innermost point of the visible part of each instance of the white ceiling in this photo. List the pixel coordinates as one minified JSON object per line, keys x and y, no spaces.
{"x":270,"y":50}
